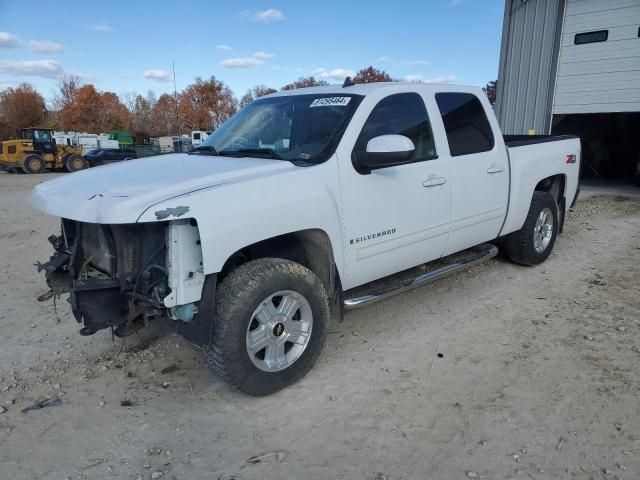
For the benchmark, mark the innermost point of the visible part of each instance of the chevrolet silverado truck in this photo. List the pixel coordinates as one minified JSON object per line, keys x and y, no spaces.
{"x":304,"y":204}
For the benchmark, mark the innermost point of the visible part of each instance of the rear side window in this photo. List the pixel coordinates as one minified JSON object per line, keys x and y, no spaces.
{"x":591,"y":37}
{"x":465,"y":121}
{"x":400,"y":114}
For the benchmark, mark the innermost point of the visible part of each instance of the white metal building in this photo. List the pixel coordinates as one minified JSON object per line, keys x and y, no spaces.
{"x":573,"y":66}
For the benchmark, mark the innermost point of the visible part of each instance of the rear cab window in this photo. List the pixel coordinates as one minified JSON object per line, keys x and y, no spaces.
{"x":465,"y":122}
{"x":400,"y":114}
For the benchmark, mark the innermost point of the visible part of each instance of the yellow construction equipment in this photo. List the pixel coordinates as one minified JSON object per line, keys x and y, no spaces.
{"x":35,"y":150}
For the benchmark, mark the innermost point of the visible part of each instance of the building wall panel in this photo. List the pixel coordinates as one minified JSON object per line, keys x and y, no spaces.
{"x":530,"y":39}
{"x":605,"y":76}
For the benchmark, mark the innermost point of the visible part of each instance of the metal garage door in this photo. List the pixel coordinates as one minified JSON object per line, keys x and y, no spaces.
{"x":599,"y":75}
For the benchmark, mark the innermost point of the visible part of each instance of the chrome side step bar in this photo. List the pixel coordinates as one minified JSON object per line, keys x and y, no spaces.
{"x":470,"y":257}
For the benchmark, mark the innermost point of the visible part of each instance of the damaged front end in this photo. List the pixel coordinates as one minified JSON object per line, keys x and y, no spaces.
{"x":121,"y":275}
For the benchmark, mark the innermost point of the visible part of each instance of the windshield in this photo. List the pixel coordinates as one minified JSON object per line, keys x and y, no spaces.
{"x":296,"y":127}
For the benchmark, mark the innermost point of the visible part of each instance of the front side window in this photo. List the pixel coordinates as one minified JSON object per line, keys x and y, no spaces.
{"x":465,"y":122}
{"x":291,"y":127}
{"x":400,"y":114}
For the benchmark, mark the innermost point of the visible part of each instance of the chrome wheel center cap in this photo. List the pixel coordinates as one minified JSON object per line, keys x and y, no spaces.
{"x":278,"y":329}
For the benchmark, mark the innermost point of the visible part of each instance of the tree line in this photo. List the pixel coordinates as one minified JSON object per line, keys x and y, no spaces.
{"x":202,"y":105}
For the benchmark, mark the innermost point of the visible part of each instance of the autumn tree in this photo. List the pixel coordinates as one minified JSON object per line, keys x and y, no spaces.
{"x":206,"y":104}
{"x":114,"y":115}
{"x":81,"y":111}
{"x":490,"y":89}
{"x":20,"y":107}
{"x":141,"y":114}
{"x":67,"y":89}
{"x":370,"y":75}
{"x":163,"y":118}
{"x":92,"y":111}
{"x":304,"y":82}
{"x":255,"y":92}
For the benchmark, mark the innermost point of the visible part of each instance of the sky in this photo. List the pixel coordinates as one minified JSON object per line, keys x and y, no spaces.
{"x":130,"y":46}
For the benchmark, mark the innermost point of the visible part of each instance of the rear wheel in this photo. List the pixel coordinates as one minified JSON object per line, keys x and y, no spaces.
{"x":533,"y":243}
{"x":270,"y":324}
{"x":33,"y":163}
{"x":75,"y":162}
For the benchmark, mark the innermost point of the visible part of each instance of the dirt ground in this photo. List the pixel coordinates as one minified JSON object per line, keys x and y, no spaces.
{"x":500,"y":372}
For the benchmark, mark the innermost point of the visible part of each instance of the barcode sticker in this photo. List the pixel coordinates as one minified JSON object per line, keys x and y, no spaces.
{"x":330,"y":101}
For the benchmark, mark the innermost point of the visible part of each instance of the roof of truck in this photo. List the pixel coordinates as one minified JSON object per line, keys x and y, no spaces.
{"x":368,"y":88}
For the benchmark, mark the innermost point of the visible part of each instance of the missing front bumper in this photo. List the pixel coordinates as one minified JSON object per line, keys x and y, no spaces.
{"x":113,"y":273}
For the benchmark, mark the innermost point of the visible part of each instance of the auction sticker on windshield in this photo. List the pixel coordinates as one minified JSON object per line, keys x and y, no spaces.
{"x":330,"y":101}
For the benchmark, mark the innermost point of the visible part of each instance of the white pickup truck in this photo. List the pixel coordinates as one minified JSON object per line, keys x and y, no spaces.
{"x":304,"y":204}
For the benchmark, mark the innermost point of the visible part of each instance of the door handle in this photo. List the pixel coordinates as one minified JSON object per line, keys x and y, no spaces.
{"x":495,"y":168}
{"x":434,"y":181}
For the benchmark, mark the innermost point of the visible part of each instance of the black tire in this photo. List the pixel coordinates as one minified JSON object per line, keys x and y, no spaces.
{"x":75,"y":163}
{"x":238,"y":296}
{"x":520,"y":246}
{"x":33,"y":163}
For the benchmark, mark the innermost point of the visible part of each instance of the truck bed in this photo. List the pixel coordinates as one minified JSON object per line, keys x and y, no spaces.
{"x":520,"y":140}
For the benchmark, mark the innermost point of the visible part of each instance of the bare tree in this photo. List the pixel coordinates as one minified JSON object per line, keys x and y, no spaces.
{"x":255,"y":92}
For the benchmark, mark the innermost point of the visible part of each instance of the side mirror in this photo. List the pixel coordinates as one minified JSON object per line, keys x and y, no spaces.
{"x":384,"y":151}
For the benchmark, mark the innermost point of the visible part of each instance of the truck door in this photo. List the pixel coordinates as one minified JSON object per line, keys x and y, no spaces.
{"x":480,"y":170}
{"x":395,"y":217}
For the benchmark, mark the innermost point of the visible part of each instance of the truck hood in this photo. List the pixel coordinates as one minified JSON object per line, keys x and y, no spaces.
{"x":121,"y":192}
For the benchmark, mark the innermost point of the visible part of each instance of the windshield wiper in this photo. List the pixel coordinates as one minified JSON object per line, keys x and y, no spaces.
{"x":209,"y":149}
{"x":268,"y":152}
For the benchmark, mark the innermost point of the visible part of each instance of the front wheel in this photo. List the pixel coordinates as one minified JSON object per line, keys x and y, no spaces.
{"x":75,"y":162}
{"x":33,"y":164}
{"x":533,"y":243}
{"x":270,"y":324}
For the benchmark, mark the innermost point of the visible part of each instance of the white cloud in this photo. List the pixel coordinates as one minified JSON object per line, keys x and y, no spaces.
{"x":420,"y":78}
{"x":45,"y":46}
{"x":264,"y":16}
{"x":224,"y":47}
{"x":383,"y":59}
{"x":263,"y":55}
{"x":33,"y":68}
{"x":157,"y":74}
{"x":416,"y":62}
{"x":8,"y":40}
{"x":241,"y":62}
{"x":256,"y":58}
{"x":446,"y":79}
{"x":103,"y":28}
{"x":335,"y":74}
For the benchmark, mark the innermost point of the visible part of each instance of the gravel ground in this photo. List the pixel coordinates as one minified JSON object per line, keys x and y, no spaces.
{"x":499,"y":372}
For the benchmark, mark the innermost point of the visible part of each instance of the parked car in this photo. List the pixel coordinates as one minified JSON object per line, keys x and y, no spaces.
{"x":104,"y":156}
{"x":304,"y":204}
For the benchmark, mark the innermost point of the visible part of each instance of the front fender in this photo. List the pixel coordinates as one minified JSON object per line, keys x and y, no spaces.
{"x":233,"y":216}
